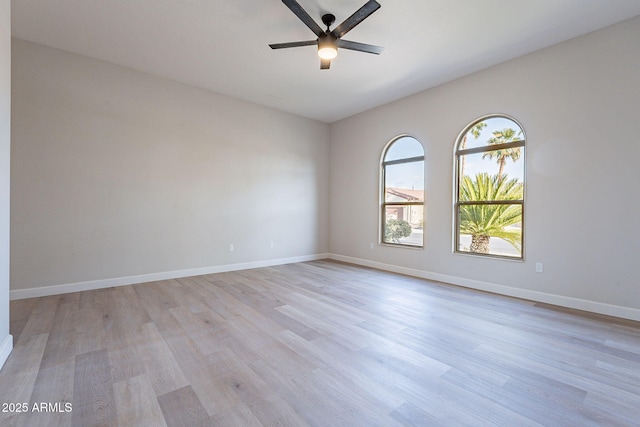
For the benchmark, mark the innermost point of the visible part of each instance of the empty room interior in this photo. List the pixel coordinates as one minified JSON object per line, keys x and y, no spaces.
{"x":319,"y":213}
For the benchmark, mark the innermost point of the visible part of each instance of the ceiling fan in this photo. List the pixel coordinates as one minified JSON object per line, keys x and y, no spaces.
{"x":329,"y":41}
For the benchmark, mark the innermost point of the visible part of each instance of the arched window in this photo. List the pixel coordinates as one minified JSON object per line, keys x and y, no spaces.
{"x":402,"y":193}
{"x":489,"y":188}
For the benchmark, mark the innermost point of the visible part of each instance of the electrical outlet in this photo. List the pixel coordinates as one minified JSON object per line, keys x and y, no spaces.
{"x":539,"y":267}
{"x":271,"y":245}
{"x":231,"y":248}
{"x":371,"y":245}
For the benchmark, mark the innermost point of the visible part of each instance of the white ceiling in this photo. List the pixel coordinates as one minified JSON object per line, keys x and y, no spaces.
{"x":222,"y":45}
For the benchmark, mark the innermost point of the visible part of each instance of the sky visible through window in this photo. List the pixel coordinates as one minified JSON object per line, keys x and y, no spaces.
{"x":474,"y":163}
{"x":411,"y":175}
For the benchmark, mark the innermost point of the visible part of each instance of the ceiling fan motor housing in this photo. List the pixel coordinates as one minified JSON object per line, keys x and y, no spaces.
{"x":328,"y":20}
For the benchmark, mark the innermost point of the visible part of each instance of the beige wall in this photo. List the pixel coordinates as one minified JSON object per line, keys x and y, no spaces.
{"x":6,"y":341}
{"x":579,"y":103}
{"x":117,"y":173}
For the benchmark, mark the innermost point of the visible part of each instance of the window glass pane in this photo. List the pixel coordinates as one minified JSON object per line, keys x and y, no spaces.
{"x":404,"y":148}
{"x":402,"y":215}
{"x":491,"y":229}
{"x":404,"y":224}
{"x":508,"y":164}
{"x":493,"y":130}
{"x":495,"y":173}
{"x":404,"y":182}
{"x":489,"y":186}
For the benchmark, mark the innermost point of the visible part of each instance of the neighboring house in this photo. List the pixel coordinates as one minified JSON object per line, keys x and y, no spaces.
{"x":413,"y":215}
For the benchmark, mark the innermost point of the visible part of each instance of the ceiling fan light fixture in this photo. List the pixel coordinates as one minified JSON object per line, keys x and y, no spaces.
{"x":327,"y":48}
{"x":327,"y":52}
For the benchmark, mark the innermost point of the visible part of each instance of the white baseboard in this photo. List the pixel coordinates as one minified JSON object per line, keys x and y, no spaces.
{"x":131,"y":280}
{"x":5,"y":349}
{"x":563,"y":301}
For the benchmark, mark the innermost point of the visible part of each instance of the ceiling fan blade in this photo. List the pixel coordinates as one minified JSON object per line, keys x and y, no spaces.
{"x":325,"y":64}
{"x":360,"y":47}
{"x":357,"y":17}
{"x":293,"y":44}
{"x":304,"y":16}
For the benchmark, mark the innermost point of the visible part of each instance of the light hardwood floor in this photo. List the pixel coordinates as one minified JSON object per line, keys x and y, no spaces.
{"x":319,"y":343}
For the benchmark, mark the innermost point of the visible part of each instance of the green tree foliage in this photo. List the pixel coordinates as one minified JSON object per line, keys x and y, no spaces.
{"x":483,"y":221}
{"x":501,"y":155}
{"x":396,"y":229}
{"x":475,"y":130}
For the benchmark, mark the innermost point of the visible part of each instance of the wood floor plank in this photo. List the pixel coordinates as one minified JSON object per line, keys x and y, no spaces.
{"x":187,"y":296}
{"x":210,"y":384}
{"x":54,"y":383}
{"x":408,"y":414}
{"x":41,"y":317}
{"x":340,"y":366}
{"x":238,"y":415}
{"x":181,"y":345}
{"x":161,"y":366}
{"x":182,"y":407}
{"x":93,"y":399}
{"x":611,"y":409}
{"x":156,"y":298}
{"x":90,"y":330}
{"x":267,"y":407}
{"x":123,"y":323}
{"x":319,"y":343}
{"x":19,"y":313}
{"x":18,"y":375}
{"x":264,"y":296}
{"x":354,"y":339}
{"x":573,"y":376}
{"x":125,"y":362}
{"x":61,"y":345}
{"x":206,"y":328}
{"x":136,"y":403}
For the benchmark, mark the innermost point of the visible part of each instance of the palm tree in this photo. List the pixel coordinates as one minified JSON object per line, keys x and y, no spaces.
{"x":475,"y":130}
{"x":483,"y":221}
{"x":502,"y":137}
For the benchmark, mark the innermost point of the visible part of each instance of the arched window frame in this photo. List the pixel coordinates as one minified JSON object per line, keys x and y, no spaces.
{"x":458,"y":153}
{"x":382,"y":194}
